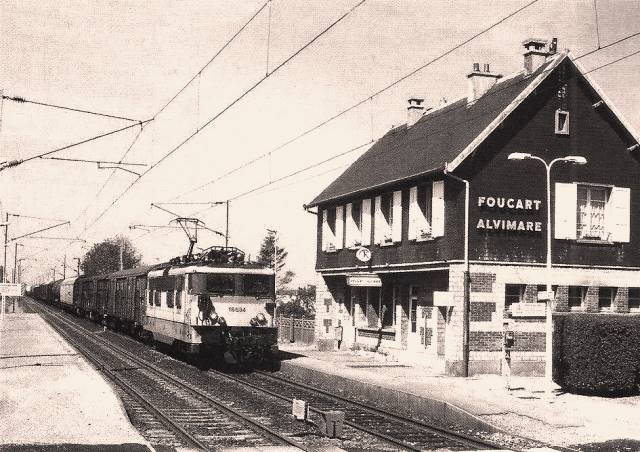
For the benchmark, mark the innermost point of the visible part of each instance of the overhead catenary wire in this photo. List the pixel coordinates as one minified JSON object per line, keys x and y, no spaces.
{"x":362,"y":101}
{"x":37,"y":156}
{"x":22,"y":100}
{"x":166,"y":104}
{"x":259,"y":187}
{"x":224,"y":110}
{"x":226,"y":44}
{"x":343,"y":112}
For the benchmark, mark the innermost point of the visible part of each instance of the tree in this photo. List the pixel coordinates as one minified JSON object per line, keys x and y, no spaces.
{"x":265,"y":257}
{"x":302,"y":304}
{"x":104,"y":257}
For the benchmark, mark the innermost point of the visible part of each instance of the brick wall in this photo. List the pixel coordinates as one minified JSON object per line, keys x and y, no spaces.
{"x":482,"y":282}
{"x":481,"y":312}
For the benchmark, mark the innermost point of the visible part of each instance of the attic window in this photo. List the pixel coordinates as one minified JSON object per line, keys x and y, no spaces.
{"x":562,"y":122}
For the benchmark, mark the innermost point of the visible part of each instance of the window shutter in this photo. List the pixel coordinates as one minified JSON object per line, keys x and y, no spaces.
{"x":325,"y":229}
{"x":350,"y":226}
{"x":339,"y":227}
{"x":617,"y":214}
{"x":566,"y":211}
{"x":366,"y":222}
{"x":437,"y":209}
{"x":378,"y":229}
{"x":396,"y":231}
{"x":414,"y":211}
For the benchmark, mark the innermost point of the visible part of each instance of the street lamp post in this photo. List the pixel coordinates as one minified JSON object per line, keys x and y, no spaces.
{"x":578,"y":160}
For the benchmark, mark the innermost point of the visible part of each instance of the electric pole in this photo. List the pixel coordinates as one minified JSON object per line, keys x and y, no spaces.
{"x":64,"y":267}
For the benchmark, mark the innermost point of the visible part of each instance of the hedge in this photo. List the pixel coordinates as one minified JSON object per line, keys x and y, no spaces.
{"x":597,"y":354}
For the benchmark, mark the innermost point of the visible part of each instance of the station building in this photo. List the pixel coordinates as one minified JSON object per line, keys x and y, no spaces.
{"x":445,"y":212}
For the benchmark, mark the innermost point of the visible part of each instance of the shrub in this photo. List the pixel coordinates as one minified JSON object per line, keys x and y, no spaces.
{"x":597,"y":354}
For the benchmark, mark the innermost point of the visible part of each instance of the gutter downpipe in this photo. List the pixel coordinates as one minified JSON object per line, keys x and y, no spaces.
{"x":466,"y":276}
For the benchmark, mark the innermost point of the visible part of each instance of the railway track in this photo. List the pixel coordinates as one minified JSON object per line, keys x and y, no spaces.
{"x":362,"y":422}
{"x":174,"y":412}
{"x":404,"y":432}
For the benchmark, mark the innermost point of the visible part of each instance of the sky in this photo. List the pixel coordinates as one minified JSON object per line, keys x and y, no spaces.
{"x":129,"y":58}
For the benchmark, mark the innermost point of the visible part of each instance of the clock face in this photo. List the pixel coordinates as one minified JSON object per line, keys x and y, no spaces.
{"x":363,"y":254}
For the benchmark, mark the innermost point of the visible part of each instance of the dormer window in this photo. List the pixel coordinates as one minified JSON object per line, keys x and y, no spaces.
{"x":562,"y":122}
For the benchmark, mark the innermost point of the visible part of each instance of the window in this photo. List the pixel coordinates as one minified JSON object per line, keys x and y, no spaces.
{"x":257,"y":285}
{"x":170,"y":299}
{"x":212,"y":283}
{"x":513,"y":293}
{"x":386,"y":207}
{"x":634,"y":298}
{"x":606,"y":295}
{"x":388,"y":218}
{"x":329,"y":230}
{"x":156,"y":297}
{"x":592,"y":212}
{"x":354,"y":223}
{"x":592,"y":201}
{"x":426,"y":211}
{"x":577,"y":295}
{"x":562,"y":122}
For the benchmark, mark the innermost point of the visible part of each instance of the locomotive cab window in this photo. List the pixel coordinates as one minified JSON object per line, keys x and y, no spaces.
{"x":257,"y":285}
{"x":217,"y":284}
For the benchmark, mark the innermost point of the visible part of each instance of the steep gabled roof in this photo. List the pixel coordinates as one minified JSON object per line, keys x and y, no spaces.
{"x":442,"y":137}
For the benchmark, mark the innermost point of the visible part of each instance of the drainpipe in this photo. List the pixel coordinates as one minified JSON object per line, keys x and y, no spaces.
{"x":466,"y":278}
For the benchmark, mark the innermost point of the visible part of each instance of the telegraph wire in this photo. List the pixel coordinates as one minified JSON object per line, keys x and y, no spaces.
{"x":22,"y":100}
{"x":225,"y":109}
{"x":361,"y":102}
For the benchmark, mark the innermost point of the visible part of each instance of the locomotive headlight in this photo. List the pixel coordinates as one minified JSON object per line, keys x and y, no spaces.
{"x":261,"y":318}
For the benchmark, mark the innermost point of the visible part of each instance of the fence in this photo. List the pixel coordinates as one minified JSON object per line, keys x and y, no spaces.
{"x":300,"y":331}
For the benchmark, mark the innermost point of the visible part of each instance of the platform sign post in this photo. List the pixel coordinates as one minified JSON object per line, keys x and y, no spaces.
{"x":8,"y":290}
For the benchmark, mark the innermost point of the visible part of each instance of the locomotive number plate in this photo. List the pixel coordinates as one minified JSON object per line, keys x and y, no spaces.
{"x":237,"y":309}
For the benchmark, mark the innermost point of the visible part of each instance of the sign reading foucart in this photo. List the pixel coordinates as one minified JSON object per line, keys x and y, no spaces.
{"x":505,"y":204}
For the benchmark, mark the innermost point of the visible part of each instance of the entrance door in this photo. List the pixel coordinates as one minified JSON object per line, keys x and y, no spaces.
{"x":442,"y":324}
{"x":414,"y":339}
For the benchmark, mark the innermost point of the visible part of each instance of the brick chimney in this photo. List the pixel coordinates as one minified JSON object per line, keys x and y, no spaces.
{"x":415,"y":110}
{"x":480,"y":81}
{"x":535,"y":54}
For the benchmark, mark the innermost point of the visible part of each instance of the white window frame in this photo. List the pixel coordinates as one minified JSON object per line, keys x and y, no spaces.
{"x":562,"y":130}
{"x":583,"y":297}
{"x":521,"y":291}
{"x":354,"y":226}
{"x":617,"y":213}
{"x":384,"y":224}
{"x":612,"y":293}
{"x":328,"y":233}
{"x":588,"y":233}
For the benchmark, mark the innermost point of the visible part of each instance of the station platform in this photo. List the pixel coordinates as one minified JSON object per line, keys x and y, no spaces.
{"x":480,"y":402}
{"x":50,"y":397}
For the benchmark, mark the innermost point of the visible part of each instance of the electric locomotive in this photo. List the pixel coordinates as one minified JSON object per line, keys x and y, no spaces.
{"x":215,"y":305}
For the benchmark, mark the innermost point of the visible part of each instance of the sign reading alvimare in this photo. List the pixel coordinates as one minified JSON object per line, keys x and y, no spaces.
{"x":503,"y":204}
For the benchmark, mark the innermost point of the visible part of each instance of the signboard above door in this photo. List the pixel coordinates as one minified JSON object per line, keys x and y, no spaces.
{"x":364,"y":280}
